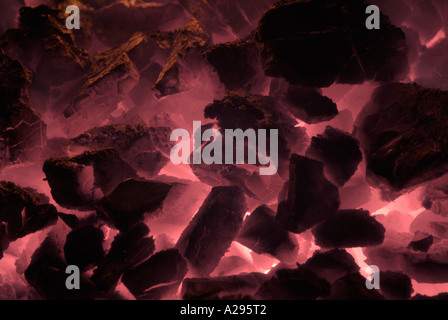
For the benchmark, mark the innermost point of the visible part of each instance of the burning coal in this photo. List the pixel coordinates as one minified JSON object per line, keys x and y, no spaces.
{"x":355,"y":106}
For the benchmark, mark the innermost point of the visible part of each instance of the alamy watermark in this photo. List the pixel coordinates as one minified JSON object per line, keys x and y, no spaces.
{"x":234,"y":139}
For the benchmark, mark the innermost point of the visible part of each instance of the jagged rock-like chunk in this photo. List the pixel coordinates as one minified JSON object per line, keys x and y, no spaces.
{"x":237,"y":63}
{"x":111,"y":77}
{"x":84,"y":247}
{"x":144,"y":148}
{"x":128,"y":203}
{"x":236,"y":17}
{"x":306,"y":104}
{"x":348,"y":229}
{"x":127,"y":250}
{"x":42,"y":30}
{"x":339,"y":152}
{"x":220,"y":287}
{"x":209,"y":235}
{"x":66,"y":176}
{"x":165,"y":268}
{"x":22,"y":133}
{"x":311,"y":197}
{"x":294,"y":284}
{"x":14,"y":200}
{"x":403,"y":132}
{"x":331,"y":265}
{"x":352,"y":287}
{"x":238,"y":111}
{"x":179,"y":70}
{"x":395,"y":285}
{"x":315,"y":43}
{"x":116,"y":22}
{"x":422,"y":245}
{"x":262,"y":233}
{"x":46,"y":273}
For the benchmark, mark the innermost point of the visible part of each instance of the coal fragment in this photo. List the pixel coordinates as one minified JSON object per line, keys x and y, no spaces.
{"x":84,"y":247}
{"x":111,"y":77}
{"x":352,"y":287}
{"x":23,"y":211}
{"x":66,"y":176}
{"x":126,"y":205}
{"x":404,"y":151}
{"x":294,"y":284}
{"x":210,"y":233}
{"x":395,"y":285}
{"x":262,"y":233}
{"x":22,"y":132}
{"x":143,"y":148}
{"x":165,"y":268}
{"x":240,"y":111}
{"x":422,"y":245}
{"x":339,"y":152}
{"x":221,"y":287}
{"x":306,"y":104}
{"x":331,"y":265}
{"x":348,"y":229}
{"x":229,"y":18}
{"x":237,"y":63}
{"x":179,"y":70}
{"x":46,"y":273}
{"x":127,"y":250}
{"x":311,"y":198}
{"x":142,"y":16}
{"x":296,"y":38}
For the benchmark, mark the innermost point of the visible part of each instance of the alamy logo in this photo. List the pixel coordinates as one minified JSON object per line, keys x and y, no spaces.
{"x":373,"y":281}
{"x":234,"y":139}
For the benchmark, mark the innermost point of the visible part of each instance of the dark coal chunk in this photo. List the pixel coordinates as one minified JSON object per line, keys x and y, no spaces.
{"x":46,"y":273}
{"x":127,"y":250}
{"x":70,"y":220}
{"x":297,"y":38}
{"x":142,"y":16}
{"x":422,"y":245}
{"x":111,"y":76}
{"x":22,"y":133}
{"x":440,"y":296}
{"x":221,"y":287}
{"x":294,"y":284}
{"x":348,"y":229}
{"x":210,"y":233}
{"x":311,"y":197}
{"x":23,"y":211}
{"x":144,"y":148}
{"x":306,"y":104}
{"x":262,"y":233}
{"x":353,"y":287}
{"x":167,"y":268}
{"x":339,"y":152}
{"x":42,"y":30}
{"x":84,"y":247}
{"x":239,"y":111}
{"x":67,"y":175}
{"x":395,"y":285}
{"x":403,"y":151}
{"x":237,"y":63}
{"x":228,"y":18}
{"x":128,"y":203}
{"x":331,"y":265}
{"x":180,"y":69}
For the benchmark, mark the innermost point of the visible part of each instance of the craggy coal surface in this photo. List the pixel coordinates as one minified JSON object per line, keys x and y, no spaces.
{"x":86,"y":117}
